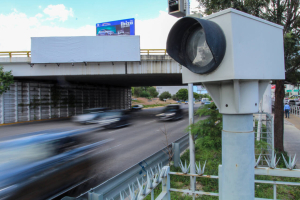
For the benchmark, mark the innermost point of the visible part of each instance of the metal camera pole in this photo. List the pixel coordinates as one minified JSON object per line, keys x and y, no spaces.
{"x":191,"y":121}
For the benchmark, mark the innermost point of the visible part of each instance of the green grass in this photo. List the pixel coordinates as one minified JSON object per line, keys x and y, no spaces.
{"x":153,"y":105}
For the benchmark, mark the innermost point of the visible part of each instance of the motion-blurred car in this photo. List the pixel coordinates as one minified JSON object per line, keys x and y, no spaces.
{"x":137,"y":107}
{"x":114,"y":119}
{"x":89,"y":116}
{"x":170,"y":112}
{"x":42,"y":164}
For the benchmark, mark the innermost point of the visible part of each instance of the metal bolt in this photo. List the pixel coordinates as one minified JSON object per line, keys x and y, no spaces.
{"x":226,"y":105}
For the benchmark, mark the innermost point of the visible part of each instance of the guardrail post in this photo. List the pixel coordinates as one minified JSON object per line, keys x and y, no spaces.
{"x":94,"y":196}
{"x":220,"y":182}
{"x":274,"y":192}
{"x":166,"y":183}
{"x":176,"y":154}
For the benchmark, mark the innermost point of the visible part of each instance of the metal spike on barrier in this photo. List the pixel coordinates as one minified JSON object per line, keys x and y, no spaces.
{"x":149,"y":181}
{"x":184,"y":168}
{"x":257,"y":161}
{"x":272,"y":162}
{"x":291,"y":164}
{"x":200,"y":171}
{"x":133,"y":195}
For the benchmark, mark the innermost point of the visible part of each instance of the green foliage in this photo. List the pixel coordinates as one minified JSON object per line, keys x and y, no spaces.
{"x":182,"y":94}
{"x":152,"y":91}
{"x":209,"y":130}
{"x":174,"y":97}
{"x":137,"y":91}
{"x":164,"y":95}
{"x":6,"y":79}
{"x":145,"y":94}
{"x":153,"y":105}
{"x":196,"y":95}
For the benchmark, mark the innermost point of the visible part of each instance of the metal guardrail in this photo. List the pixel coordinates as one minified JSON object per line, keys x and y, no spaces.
{"x":111,"y":188}
{"x":295,"y":110}
{"x":28,"y":53}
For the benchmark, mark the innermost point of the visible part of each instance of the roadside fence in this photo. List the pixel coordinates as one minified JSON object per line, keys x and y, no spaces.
{"x":295,"y":110}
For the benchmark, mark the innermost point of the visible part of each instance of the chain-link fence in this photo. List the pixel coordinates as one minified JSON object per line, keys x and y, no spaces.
{"x":264,"y":136}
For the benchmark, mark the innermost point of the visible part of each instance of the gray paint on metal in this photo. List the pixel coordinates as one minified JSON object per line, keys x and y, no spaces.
{"x":237,"y":157}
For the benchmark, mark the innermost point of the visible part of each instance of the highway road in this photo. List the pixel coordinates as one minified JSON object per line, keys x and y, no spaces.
{"x":130,"y":146}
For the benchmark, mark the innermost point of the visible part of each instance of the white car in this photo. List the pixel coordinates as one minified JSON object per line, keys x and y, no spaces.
{"x":89,"y":116}
{"x":137,"y":107}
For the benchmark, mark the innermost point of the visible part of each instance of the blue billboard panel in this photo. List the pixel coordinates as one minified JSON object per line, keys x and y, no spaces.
{"x":120,"y":27}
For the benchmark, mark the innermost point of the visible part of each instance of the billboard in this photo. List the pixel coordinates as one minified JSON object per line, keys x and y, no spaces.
{"x":120,"y":27}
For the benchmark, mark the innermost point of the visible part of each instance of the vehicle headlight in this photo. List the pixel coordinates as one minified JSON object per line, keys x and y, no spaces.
{"x":170,"y":114}
{"x":160,"y":115}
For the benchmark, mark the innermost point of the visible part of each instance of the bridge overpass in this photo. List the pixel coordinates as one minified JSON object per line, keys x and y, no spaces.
{"x":155,"y":68}
{"x":55,"y":90}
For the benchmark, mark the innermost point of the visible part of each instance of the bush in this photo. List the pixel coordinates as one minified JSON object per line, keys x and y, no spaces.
{"x":164,"y":95}
{"x":152,"y":91}
{"x":145,"y":94}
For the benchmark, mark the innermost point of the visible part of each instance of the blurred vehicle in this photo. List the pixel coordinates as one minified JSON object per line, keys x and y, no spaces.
{"x":207,"y":103}
{"x":42,"y":164}
{"x":203,"y":100}
{"x":293,"y":102}
{"x":170,"y":112}
{"x":114,"y":119}
{"x":89,"y":116}
{"x":186,"y":102}
{"x":137,"y":107}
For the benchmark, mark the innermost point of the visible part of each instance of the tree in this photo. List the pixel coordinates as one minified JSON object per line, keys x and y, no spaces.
{"x":6,"y":79}
{"x":164,"y":95}
{"x":145,"y":94}
{"x":282,"y":12}
{"x":152,"y":91}
{"x":196,"y":95}
{"x":174,"y":97}
{"x":137,"y":91}
{"x":182,"y":94}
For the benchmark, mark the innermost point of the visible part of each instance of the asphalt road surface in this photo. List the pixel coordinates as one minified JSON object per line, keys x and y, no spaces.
{"x":130,"y":146}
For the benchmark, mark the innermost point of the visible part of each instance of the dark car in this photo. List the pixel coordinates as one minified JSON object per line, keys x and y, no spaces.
{"x":42,"y":164}
{"x":115,"y":119}
{"x":170,"y":112}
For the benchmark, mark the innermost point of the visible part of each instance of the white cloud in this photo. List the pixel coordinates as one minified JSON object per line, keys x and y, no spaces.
{"x":17,"y":29}
{"x":40,"y":7}
{"x":154,"y":32}
{"x":58,"y":12}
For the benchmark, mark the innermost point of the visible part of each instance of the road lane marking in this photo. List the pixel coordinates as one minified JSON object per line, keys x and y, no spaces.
{"x":150,"y":122}
{"x":109,"y":148}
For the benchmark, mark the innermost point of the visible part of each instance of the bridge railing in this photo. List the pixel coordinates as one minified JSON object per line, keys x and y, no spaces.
{"x":28,"y":53}
{"x":15,"y":54}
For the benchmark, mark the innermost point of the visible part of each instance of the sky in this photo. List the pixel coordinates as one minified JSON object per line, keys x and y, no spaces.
{"x":20,"y":20}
